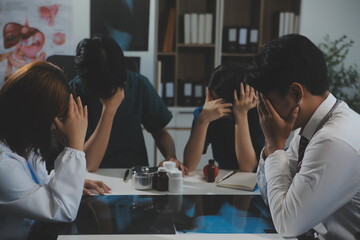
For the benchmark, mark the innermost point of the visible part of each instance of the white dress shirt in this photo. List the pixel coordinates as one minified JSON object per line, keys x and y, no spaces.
{"x":325,"y":193}
{"x":56,"y":197}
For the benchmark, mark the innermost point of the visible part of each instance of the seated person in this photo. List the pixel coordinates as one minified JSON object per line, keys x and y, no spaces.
{"x":315,"y":184}
{"x":35,"y":100}
{"x":227,"y":121}
{"x":120,"y":102}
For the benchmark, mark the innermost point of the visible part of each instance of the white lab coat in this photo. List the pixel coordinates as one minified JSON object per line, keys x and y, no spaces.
{"x":55,"y":198}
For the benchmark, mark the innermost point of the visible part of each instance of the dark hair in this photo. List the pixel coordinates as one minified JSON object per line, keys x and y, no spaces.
{"x":101,"y":65}
{"x":290,"y":58}
{"x":30,"y":100}
{"x":224,"y":79}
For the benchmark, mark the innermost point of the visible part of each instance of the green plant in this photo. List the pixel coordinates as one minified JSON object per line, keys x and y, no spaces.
{"x":344,"y":80}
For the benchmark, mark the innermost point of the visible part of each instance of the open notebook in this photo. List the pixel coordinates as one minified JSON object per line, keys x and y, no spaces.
{"x":239,"y":180}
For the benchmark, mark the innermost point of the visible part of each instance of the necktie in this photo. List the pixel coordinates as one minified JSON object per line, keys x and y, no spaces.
{"x":309,"y":235}
{"x":302,"y":145}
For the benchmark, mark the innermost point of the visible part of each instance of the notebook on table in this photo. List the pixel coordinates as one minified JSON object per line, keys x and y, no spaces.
{"x":239,"y":180}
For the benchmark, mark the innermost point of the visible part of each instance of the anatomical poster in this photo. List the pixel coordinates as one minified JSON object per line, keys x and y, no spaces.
{"x":33,"y":30}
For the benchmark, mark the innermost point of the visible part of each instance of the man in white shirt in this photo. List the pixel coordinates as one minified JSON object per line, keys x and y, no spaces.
{"x":313,"y":186}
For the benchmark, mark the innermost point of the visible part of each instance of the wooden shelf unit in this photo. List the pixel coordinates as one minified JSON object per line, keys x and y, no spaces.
{"x":194,"y":62}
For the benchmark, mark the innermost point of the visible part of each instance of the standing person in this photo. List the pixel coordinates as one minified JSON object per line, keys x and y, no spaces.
{"x":119,"y":102}
{"x":314,"y":184}
{"x":227,"y":121}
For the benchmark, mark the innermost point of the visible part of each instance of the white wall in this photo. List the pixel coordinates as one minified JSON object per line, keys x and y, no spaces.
{"x":81,"y":25}
{"x":333,"y":17}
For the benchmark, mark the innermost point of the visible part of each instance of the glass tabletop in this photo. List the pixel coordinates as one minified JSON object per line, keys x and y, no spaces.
{"x":164,"y":214}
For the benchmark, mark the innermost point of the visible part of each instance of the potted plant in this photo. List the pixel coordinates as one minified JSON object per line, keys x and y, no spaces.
{"x":344,"y":80}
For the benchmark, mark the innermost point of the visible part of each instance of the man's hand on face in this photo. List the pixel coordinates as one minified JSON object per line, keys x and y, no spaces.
{"x":113,"y":103}
{"x":276,"y":129}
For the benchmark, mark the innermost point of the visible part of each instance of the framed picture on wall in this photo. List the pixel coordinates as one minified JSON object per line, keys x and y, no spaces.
{"x":127,"y":21}
{"x":32,"y":30}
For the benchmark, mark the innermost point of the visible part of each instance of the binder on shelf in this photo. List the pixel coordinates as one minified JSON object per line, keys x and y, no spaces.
{"x":286,"y":23}
{"x":281,"y":24}
{"x":187,"y":26}
{"x":168,"y":45}
{"x":158,"y":79}
{"x":198,"y":94}
{"x":277,"y":22}
{"x":291,"y":17}
{"x":201,"y":29}
{"x":208,"y":27}
{"x":230,"y":39}
{"x":168,"y":95}
{"x":243,"y":40}
{"x":297,"y":24}
{"x":185,"y":93}
{"x":254,"y":40}
{"x":194,"y":28}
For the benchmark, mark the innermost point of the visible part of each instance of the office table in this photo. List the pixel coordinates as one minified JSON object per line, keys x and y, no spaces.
{"x":201,"y":211}
{"x":193,"y":184}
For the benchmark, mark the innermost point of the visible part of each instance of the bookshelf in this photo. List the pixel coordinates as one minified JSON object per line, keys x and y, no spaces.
{"x":184,"y":63}
{"x":271,"y":7}
{"x":187,"y":62}
{"x":191,"y":62}
{"x":239,"y":14}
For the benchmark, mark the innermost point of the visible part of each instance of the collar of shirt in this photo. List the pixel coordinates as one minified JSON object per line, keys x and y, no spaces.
{"x":317,"y":117}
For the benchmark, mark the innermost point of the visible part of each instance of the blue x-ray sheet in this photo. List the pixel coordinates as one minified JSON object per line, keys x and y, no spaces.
{"x":223,"y":214}
{"x":164,"y":214}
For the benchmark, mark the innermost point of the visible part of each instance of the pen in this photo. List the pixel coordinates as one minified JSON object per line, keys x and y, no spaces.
{"x":126,"y":175}
{"x":225,"y":177}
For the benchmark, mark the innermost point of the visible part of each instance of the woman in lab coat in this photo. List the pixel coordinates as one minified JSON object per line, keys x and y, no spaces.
{"x":34,"y":101}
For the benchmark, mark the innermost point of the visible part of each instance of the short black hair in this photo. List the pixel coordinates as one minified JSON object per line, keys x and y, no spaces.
{"x":285,"y":60}
{"x":224,"y":79}
{"x":100,"y":63}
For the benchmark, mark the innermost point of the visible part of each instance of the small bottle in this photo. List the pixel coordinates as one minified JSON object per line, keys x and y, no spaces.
{"x":211,"y":171}
{"x":154,"y":181}
{"x":175,"y":181}
{"x":162,"y":179}
{"x":169,"y":165}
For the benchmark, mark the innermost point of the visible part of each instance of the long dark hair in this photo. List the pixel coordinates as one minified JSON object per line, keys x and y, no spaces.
{"x":224,"y":79}
{"x":30,"y":100}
